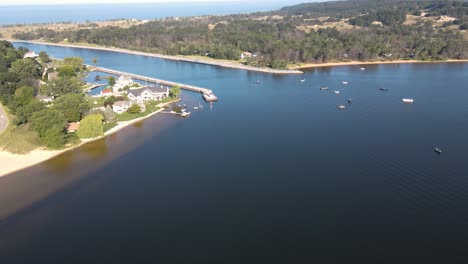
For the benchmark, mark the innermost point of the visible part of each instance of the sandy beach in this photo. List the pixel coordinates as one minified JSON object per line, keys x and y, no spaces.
{"x":351,"y":63}
{"x":10,"y":163}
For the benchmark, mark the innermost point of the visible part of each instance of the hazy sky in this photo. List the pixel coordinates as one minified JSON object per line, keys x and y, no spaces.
{"x":39,"y":2}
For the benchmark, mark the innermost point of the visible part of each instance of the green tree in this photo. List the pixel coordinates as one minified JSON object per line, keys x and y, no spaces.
{"x":67,"y":71}
{"x":109,"y":115}
{"x":91,"y":127}
{"x":21,"y":97}
{"x":73,"y":106}
{"x":26,"y":68}
{"x":134,"y":109}
{"x":50,"y":126}
{"x":44,"y":57}
{"x":94,"y":60}
{"x":64,"y":85}
{"x":75,"y":62}
{"x":97,"y":78}
{"x":111,"y":81}
{"x":175,"y":91}
{"x":24,"y":113}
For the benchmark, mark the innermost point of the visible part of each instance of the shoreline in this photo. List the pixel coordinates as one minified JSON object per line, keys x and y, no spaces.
{"x":354,"y":63}
{"x":17,"y":162}
{"x":232,"y":65}
{"x":235,"y":65}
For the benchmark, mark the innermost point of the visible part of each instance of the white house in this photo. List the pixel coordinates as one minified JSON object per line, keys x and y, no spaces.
{"x":30,"y":54}
{"x":247,"y":54}
{"x":123,"y":81}
{"x":121,"y":106}
{"x":148,"y":93}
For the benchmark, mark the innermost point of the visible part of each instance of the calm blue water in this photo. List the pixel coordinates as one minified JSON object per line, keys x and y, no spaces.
{"x":97,"y":12}
{"x":271,"y":172}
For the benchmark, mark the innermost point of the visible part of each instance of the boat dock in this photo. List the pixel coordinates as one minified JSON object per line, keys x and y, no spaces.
{"x":204,"y":91}
{"x":92,"y":87}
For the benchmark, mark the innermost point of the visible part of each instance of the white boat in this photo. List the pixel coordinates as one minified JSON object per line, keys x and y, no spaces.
{"x":408,"y":100}
{"x":209,"y":96}
{"x":185,"y":114}
{"x":438,"y":150}
{"x":303,"y":80}
{"x":344,"y":82}
{"x":342,"y":107}
{"x":195,"y":107}
{"x":363,"y":69}
{"x":337,"y":92}
{"x":324,"y":88}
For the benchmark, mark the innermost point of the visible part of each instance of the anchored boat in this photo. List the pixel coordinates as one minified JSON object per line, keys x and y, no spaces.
{"x":337,"y":92}
{"x":209,"y":96}
{"x":344,"y":82}
{"x":342,"y":107}
{"x":438,"y":150}
{"x":324,"y":88}
{"x":408,"y":100}
{"x":383,"y":89}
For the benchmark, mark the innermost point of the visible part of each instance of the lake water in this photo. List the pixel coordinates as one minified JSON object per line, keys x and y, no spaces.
{"x":28,"y":14}
{"x":271,"y":172}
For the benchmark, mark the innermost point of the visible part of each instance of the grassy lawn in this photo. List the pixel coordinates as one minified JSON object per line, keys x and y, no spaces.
{"x":150,"y":108}
{"x":18,"y":139}
{"x":127,"y":116}
{"x":109,"y":126}
{"x":99,"y":100}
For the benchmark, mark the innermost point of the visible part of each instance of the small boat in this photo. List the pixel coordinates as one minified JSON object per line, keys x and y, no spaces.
{"x":350,"y":100}
{"x":257,"y":82}
{"x":362,"y":69}
{"x":303,"y":80}
{"x":209,"y":96}
{"x":345,"y":83}
{"x":324,"y":88}
{"x":337,"y":92}
{"x":383,"y":89}
{"x":438,"y":150}
{"x":408,"y":100}
{"x":341,"y":107}
{"x":185,"y":114}
{"x":195,"y":107}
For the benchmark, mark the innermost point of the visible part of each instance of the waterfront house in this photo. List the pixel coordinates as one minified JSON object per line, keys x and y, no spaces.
{"x":106,"y":93}
{"x":120,"y":84}
{"x":148,"y":93}
{"x":121,"y":106}
{"x":30,"y":54}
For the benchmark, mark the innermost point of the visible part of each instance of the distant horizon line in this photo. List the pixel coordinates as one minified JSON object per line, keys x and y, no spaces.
{"x":141,"y":2}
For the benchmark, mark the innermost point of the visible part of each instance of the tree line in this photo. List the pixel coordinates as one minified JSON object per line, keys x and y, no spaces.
{"x":279,"y":42}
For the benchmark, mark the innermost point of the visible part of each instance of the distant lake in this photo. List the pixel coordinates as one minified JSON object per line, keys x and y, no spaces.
{"x":273,"y":172}
{"x":29,"y":14}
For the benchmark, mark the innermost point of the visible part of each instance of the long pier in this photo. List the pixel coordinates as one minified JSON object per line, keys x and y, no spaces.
{"x":207,"y":93}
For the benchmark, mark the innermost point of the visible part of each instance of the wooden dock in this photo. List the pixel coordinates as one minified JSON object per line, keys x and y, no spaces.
{"x":187,"y":87}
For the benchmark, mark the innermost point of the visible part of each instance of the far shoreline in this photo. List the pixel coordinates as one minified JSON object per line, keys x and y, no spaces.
{"x":225,"y":64}
{"x":18,"y":162}
{"x":235,"y":65}
{"x":357,"y":63}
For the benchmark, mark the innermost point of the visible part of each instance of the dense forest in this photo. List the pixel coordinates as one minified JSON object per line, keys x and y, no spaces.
{"x":308,"y":33}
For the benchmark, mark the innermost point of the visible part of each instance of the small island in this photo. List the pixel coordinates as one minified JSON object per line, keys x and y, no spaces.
{"x":47,"y":108}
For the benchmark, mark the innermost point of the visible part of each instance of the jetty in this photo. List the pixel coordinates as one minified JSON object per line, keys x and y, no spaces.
{"x":203,"y":91}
